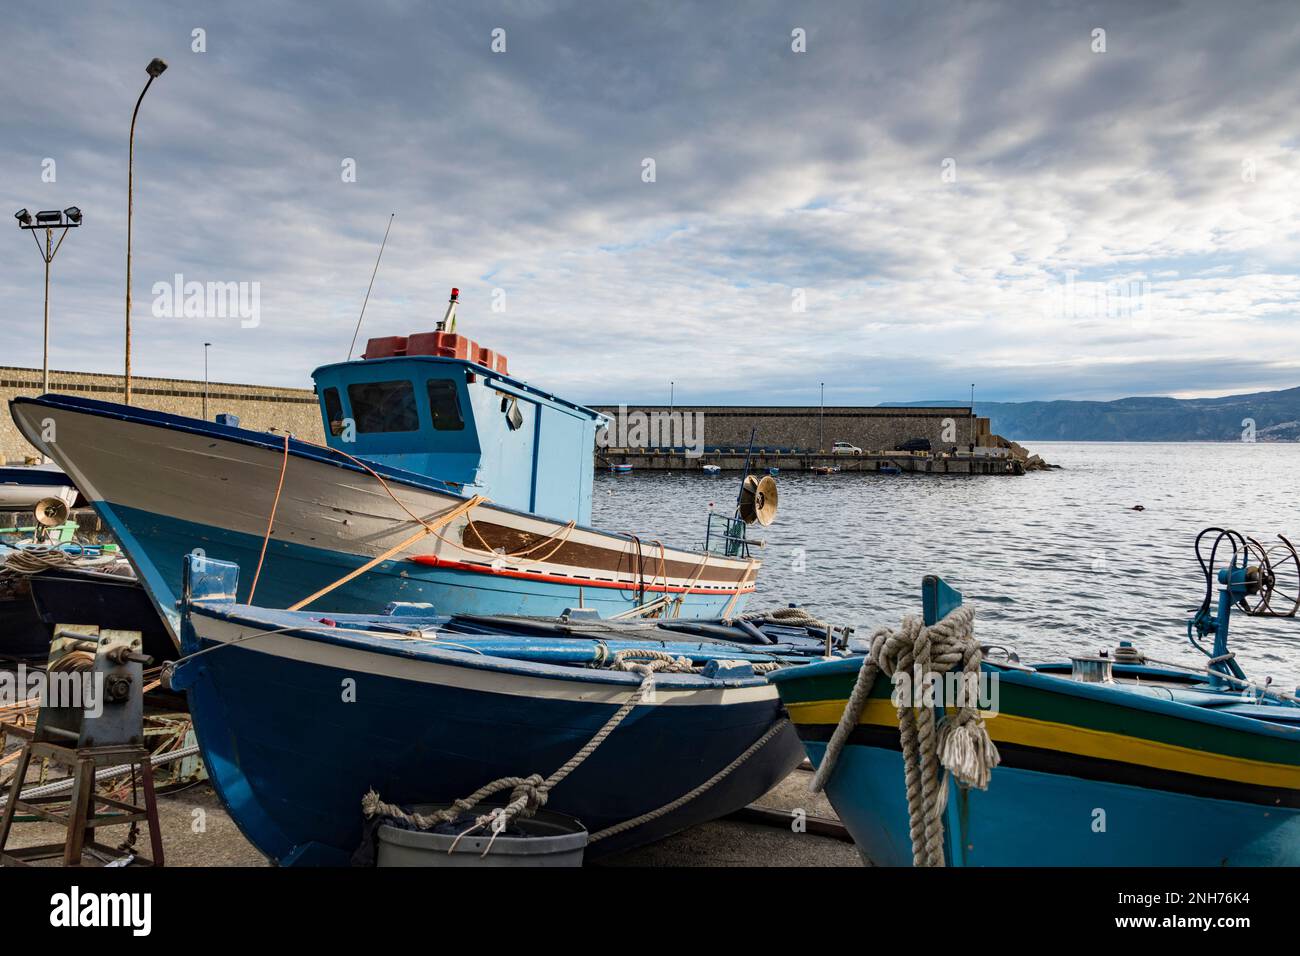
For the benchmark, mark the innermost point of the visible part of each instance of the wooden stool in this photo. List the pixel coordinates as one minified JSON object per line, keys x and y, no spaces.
{"x":81,"y":819}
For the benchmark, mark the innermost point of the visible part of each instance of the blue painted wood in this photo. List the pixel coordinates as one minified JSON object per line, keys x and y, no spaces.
{"x":430,"y":721}
{"x":938,"y":599}
{"x":543,"y":466}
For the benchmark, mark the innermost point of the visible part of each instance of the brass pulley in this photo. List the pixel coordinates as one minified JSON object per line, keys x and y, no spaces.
{"x":51,"y":512}
{"x":758,"y":500}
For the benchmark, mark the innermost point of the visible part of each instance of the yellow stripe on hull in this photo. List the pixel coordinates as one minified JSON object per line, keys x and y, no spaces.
{"x":1080,"y":741}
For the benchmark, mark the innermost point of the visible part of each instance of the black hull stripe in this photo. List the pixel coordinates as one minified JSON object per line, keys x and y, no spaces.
{"x":1062,"y":764}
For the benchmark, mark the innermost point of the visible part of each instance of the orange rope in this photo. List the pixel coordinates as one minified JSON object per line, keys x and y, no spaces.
{"x":270,"y":521}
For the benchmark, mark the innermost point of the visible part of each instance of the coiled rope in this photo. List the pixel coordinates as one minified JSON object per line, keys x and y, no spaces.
{"x":960,"y":744}
{"x":33,"y":559}
{"x":793,"y":616}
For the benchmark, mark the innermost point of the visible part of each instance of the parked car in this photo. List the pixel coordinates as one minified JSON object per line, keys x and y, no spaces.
{"x":915,"y":444}
{"x":844,"y":448}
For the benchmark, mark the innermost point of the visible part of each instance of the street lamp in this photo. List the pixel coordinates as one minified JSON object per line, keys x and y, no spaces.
{"x":821,"y":422}
{"x":206,"y":346}
{"x":154,"y":69}
{"x":49,"y":220}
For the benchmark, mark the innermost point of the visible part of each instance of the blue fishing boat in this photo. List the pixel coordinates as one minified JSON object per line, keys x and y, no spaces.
{"x":299,"y":715}
{"x":620,"y":469}
{"x":1108,"y":760}
{"x":443,"y":479}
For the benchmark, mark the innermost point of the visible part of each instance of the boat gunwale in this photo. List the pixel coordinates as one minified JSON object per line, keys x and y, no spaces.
{"x":429,"y":651}
{"x":265,"y":440}
{"x":1111,"y":694}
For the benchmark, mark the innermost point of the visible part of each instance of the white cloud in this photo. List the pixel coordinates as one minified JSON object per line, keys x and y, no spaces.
{"x":775,"y":171}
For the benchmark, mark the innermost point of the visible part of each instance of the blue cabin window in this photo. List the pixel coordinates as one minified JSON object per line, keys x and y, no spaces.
{"x":384,"y":406}
{"x":333,"y":411}
{"x":444,"y":405}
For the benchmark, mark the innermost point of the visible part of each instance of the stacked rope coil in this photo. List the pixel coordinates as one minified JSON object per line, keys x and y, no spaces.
{"x":960,"y":744}
{"x":793,"y":616}
{"x":34,"y":559}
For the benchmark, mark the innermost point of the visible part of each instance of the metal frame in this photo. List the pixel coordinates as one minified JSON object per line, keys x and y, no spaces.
{"x":81,"y":818}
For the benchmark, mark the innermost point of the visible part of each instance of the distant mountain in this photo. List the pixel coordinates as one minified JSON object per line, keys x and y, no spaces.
{"x":1276,"y":417}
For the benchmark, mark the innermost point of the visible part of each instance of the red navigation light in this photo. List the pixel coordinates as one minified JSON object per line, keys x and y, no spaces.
{"x":455,"y":294}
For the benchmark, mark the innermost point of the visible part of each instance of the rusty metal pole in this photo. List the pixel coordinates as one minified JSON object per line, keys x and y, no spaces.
{"x":154,"y":69}
{"x":45,"y":367}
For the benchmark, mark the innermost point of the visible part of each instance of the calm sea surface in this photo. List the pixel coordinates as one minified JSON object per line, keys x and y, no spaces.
{"x":1053,"y":562}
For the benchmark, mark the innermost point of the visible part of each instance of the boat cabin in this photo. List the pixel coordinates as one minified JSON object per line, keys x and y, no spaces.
{"x":439,"y":405}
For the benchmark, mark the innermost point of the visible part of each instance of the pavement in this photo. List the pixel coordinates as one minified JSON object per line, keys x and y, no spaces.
{"x":196,"y":831}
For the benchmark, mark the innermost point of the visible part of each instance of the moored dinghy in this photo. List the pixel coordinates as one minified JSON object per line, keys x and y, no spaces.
{"x":300,"y":715}
{"x":1108,"y":761}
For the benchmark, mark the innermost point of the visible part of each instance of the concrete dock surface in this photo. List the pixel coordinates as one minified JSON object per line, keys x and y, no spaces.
{"x":196,"y":831}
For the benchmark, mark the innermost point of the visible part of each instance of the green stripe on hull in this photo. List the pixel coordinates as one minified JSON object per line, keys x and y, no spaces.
{"x":1105,"y":709}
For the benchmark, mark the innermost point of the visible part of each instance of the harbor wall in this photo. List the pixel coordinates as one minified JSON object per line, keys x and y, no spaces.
{"x":805,"y":428}
{"x":258,"y":406}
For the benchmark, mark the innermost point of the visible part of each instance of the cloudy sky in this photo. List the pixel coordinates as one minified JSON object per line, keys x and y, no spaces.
{"x":896,"y":199}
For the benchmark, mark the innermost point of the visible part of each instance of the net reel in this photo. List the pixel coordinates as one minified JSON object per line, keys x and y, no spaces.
{"x":758,"y":500}
{"x":51,"y":512}
{"x":1279,"y":579}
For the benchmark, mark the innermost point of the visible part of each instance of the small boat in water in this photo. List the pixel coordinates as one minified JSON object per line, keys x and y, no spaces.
{"x":299,"y":715}
{"x":890,"y":469}
{"x":1104,"y":761}
{"x":711,"y":469}
{"x":620,"y":469}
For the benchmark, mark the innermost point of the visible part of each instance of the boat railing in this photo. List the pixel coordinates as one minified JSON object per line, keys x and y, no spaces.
{"x":726,"y":535}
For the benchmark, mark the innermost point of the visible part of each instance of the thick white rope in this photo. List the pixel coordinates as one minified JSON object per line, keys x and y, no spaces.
{"x":961,"y":744}
{"x":793,"y":616}
{"x":529,"y":794}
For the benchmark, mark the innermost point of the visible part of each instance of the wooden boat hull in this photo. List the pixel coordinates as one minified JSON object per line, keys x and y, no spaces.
{"x":83,"y":596}
{"x":296,"y":726}
{"x":168,"y":486}
{"x":23,"y":635}
{"x":1091,"y":775}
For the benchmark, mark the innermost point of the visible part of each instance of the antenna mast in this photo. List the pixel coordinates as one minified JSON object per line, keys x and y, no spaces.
{"x":357,"y":331}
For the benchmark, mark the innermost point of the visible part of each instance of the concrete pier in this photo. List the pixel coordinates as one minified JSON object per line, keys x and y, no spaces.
{"x":734,"y":460}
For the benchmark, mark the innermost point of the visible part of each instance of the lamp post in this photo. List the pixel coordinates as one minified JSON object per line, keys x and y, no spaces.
{"x":154,"y":69}
{"x":821,"y":422}
{"x":206,"y":346}
{"x":48,"y":220}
